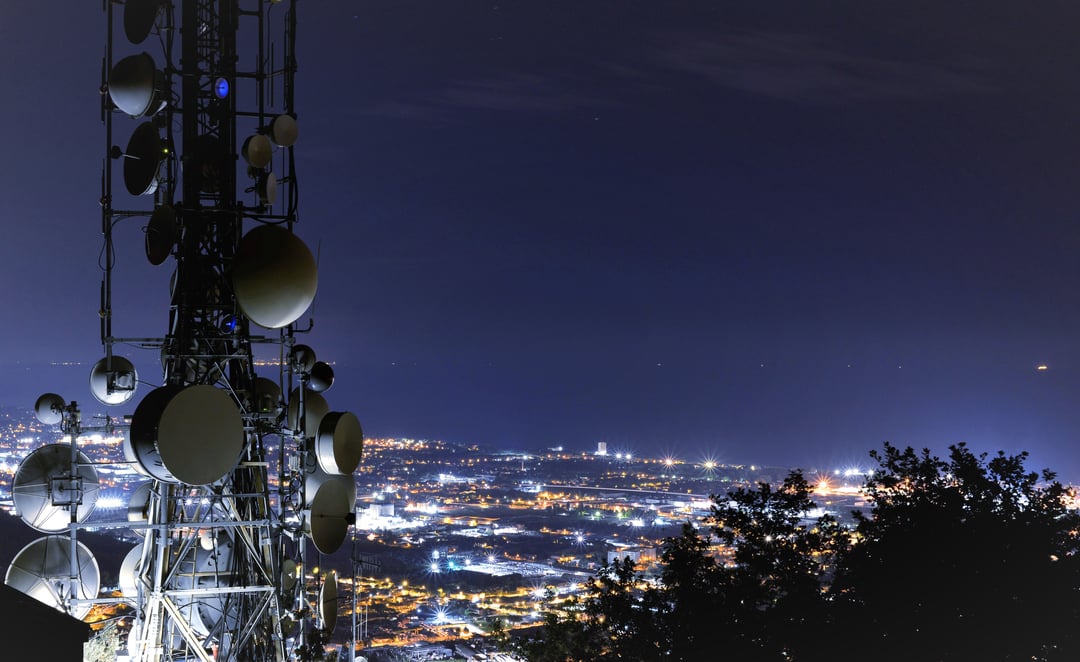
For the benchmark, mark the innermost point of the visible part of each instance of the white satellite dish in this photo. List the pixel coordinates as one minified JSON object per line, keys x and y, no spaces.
{"x":42,"y":570}
{"x":192,"y":435}
{"x":45,"y":485}
{"x":328,"y":597}
{"x":138,"y":510}
{"x":302,"y":358}
{"x":339,"y":443}
{"x":315,"y":407}
{"x":49,"y":409}
{"x":257,"y":151}
{"x":330,"y":509}
{"x":274,"y":276}
{"x":131,"y":457}
{"x":283,"y":130}
{"x":135,"y":86}
{"x":113,"y":380}
{"x":315,"y":478}
{"x":266,"y":188}
{"x":129,"y":571}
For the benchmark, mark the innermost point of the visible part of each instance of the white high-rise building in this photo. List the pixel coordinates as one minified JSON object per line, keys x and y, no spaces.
{"x":601,"y":448}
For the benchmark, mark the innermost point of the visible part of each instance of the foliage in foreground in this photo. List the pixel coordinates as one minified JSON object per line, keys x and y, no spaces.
{"x":967,"y":558}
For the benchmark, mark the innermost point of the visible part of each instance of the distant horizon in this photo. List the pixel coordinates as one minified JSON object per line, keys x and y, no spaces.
{"x":70,"y":379}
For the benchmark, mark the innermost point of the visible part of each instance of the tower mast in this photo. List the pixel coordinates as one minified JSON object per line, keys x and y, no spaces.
{"x":241,"y":470}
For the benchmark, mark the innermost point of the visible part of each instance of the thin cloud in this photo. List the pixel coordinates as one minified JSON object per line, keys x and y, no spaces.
{"x":806,"y":69}
{"x":797,"y":68}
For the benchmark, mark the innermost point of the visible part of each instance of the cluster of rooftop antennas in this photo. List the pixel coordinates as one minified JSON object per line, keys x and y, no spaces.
{"x":242,"y":470}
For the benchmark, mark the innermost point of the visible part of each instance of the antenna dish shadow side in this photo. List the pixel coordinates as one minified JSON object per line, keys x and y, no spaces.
{"x":274,"y":276}
{"x":141,"y":160}
{"x":139,"y":19}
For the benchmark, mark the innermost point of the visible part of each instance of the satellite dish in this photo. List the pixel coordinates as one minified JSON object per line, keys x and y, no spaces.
{"x":321,"y":377}
{"x":129,"y":570}
{"x":266,"y":188}
{"x":113,"y":384}
{"x":315,"y":478}
{"x":257,"y":151}
{"x":43,"y":487}
{"x":288,"y":574}
{"x":130,"y":456}
{"x":302,"y":358}
{"x":339,"y":443}
{"x":203,"y":570}
{"x":160,"y":234}
{"x":274,"y":276}
{"x":139,"y":19}
{"x":138,"y":506}
{"x":135,"y":86}
{"x":267,"y":396}
{"x":49,"y":409}
{"x":315,"y":408}
{"x":283,"y":131}
{"x":331,"y":501}
{"x":141,"y":160}
{"x":42,"y":570}
{"x":328,"y":607}
{"x":190,"y":435}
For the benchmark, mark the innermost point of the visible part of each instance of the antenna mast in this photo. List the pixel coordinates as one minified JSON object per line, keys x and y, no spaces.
{"x":241,"y":470}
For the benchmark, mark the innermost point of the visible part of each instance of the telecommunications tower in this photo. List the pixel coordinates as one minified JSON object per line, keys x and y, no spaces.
{"x":247,"y":475}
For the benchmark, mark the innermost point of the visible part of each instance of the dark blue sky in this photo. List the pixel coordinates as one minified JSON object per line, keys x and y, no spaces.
{"x":771,"y":231}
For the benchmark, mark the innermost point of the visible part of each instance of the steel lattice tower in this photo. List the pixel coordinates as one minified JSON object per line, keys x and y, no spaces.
{"x":243,"y":470}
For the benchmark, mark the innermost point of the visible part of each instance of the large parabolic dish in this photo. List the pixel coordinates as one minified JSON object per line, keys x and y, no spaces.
{"x":139,"y":19}
{"x":133,"y":85}
{"x":142,"y":159}
{"x":42,"y":570}
{"x":315,"y":408}
{"x":191,"y":435}
{"x":205,"y":570}
{"x":330,"y":508}
{"x":44,"y":485}
{"x":339,"y":443}
{"x":274,"y":276}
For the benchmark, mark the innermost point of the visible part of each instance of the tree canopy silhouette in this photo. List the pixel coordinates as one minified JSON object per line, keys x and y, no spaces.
{"x":969,"y":558}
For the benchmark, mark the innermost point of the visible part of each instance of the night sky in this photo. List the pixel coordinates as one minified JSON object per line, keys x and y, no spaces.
{"x":766,"y":232}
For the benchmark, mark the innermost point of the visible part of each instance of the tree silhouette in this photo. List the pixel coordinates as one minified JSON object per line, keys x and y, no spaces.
{"x":970,"y":558}
{"x":617,"y":622}
{"x":965,"y":559}
{"x":760,"y":607}
{"x":776,"y":607}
